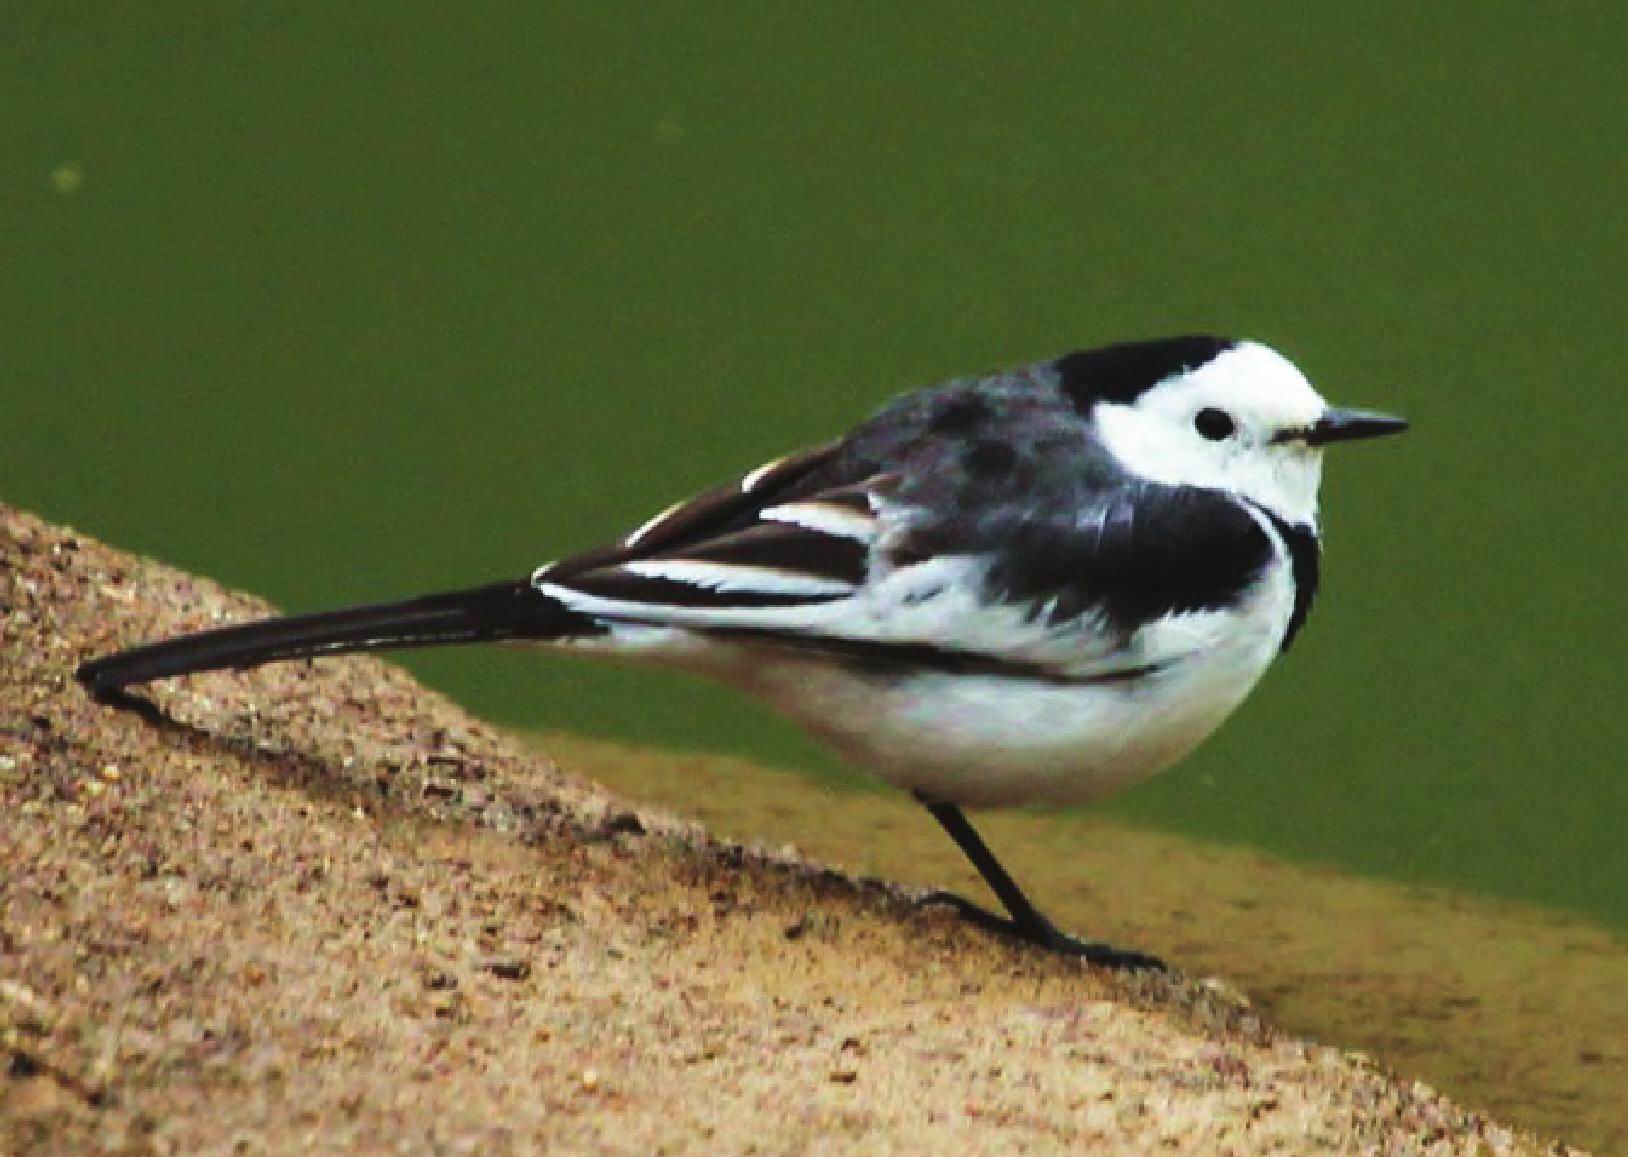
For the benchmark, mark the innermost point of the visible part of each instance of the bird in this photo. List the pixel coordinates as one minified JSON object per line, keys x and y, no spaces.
{"x":1037,"y":586}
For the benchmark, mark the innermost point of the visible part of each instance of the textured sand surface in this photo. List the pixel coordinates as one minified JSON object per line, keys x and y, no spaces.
{"x":316,"y":907}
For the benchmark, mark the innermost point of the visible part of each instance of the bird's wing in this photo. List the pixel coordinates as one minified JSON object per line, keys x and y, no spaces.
{"x":798,"y":555}
{"x":778,"y":537}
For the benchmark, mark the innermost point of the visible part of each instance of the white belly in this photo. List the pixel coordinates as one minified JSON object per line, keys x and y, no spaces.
{"x":992,"y":740}
{"x":985,"y":740}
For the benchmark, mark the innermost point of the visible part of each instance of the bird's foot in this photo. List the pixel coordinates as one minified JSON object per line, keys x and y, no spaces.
{"x":1044,"y":934}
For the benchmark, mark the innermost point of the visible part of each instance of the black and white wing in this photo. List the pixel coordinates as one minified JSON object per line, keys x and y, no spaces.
{"x":777,"y":539}
{"x":899,"y":569}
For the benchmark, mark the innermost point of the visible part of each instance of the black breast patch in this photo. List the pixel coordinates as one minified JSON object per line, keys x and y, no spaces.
{"x":1144,"y":552}
{"x":1305,"y":557}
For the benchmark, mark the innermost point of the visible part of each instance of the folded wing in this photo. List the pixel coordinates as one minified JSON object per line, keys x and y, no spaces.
{"x":794,"y":556}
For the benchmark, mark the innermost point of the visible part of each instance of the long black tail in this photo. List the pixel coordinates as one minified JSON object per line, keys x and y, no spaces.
{"x":513,"y":610}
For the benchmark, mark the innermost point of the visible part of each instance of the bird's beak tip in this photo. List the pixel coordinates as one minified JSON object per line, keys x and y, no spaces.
{"x":1339,"y":425}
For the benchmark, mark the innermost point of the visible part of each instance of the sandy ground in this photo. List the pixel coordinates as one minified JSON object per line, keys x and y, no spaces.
{"x":1516,"y":1010}
{"x":322,"y":909}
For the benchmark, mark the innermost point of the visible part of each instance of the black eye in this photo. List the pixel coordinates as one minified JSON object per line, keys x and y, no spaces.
{"x":1214,"y":424}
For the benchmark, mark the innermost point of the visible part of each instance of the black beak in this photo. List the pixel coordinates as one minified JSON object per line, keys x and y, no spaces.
{"x":1347,"y":426}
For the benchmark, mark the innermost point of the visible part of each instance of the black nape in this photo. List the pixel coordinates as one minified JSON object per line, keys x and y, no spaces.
{"x":1124,"y":372}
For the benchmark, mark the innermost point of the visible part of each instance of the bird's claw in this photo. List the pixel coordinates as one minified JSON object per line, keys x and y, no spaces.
{"x":1044,"y":934}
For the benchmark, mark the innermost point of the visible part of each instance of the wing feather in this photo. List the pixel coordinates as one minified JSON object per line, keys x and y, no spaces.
{"x":713,"y":513}
{"x":759,"y":543}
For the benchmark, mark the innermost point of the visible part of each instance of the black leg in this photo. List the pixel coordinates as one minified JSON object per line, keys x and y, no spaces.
{"x":1025,"y":921}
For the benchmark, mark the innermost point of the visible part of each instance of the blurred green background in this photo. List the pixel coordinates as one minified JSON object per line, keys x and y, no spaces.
{"x":347,"y":302}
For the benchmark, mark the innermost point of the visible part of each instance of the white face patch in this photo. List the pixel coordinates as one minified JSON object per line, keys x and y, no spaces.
{"x":1262,"y":394}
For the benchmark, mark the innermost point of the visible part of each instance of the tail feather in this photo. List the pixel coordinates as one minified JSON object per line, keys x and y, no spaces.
{"x":511,"y":610}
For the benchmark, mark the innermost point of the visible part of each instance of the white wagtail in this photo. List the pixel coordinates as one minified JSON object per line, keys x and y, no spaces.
{"x":1036,"y":586}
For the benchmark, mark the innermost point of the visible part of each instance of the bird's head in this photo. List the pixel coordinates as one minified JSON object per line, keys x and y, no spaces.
{"x":1234,"y":416}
